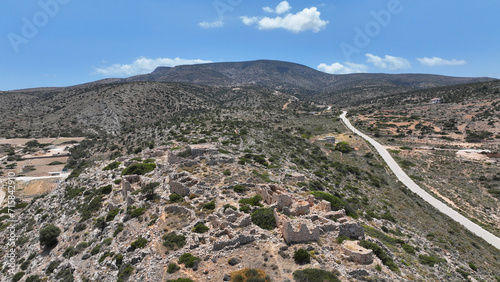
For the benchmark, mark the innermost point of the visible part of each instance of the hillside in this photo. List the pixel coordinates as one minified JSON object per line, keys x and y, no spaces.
{"x":190,"y":198}
{"x":297,"y":79}
{"x":113,"y":108}
{"x":449,"y":148}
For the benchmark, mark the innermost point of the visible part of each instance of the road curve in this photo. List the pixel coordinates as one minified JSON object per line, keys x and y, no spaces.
{"x":401,"y":175}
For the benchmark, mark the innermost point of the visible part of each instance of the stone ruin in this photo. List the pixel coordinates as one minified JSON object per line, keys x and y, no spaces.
{"x":201,"y":149}
{"x":180,"y":183}
{"x":303,"y":220}
{"x":354,"y":252}
{"x":296,"y":230}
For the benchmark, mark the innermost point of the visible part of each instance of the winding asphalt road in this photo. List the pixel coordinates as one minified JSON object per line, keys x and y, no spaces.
{"x":401,"y":175}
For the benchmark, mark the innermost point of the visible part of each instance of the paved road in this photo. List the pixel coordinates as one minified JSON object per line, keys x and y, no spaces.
{"x":401,"y":175}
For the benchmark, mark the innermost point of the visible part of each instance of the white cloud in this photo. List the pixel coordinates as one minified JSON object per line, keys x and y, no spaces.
{"x":436,"y":61}
{"x":249,"y":20}
{"x":388,"y":62}
{"x":282,"y":7}
{"x":214,"y":24}
{"x":347,"y":67}
{"x":144,"y":65}
{"x":307,"y":19}
{"x":268,"y":9}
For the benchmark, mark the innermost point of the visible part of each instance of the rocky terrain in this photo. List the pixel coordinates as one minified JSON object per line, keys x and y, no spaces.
{"x":230,"y":196}
{"x":219,"y":181}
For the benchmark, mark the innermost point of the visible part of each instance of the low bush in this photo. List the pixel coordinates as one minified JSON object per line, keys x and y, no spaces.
{"x":172,"y":268}
{"x":408,"y":248}
{"x":139,"y":168}
{"x":106,"y":189}
{"x":112,"y":166}
{"x":301,"y":256}
{"x":137,"y":212}
{"x":254,"y":201}
{"x":239,"y":188}
{"x":314,"y":275}
{"x":209,"y":205}
{"x":264,"y":218}
{"x":430,"y":260}
{"x":139,"y":243}
{"x":112,"y":213}
{"x":175,"y":198}
{"x":124,"y":272}
{"x":174,"y":241}
{"x":189,"y":260}
{"x":200,"y":228}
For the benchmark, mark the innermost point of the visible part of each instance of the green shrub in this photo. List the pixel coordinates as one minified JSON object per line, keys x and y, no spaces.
{"x":118,"y":259}
{"x":381,"y":254}
{"x":335,"y":202}
{"x":430,"y":260}
{"x":408,"y":248}
{"x":112,"y":166}
{"x":245,"y":208}
{"x":118,"y":229}
{"x":149,"y":190}
{"x":139,"y":243}
{"x":473,"y":266}
{"x":137,"y":212}
{"x":71,"y":192}
{"x":81,"y":246}
{"x":228,"y":206}
{"x":18,"y":276}
{"x":239,"y":188}
{"x":174,"y":241}
{"x":124,"y":272}
{"x":79,"y":227}
{"x":96,"y":249}
{"x":56,"y":163}
{"x":107,"y":241}
{"x":209,"y":205}
{"x":69,"y":252}
{"x":301,"y":256}
{"x":200,"y":228}
{"x":343,"y":147}
{"x":48,"y":236}
{"x":189,"y":260}
{"x":314,"y":275}
{"x":52,"y":266}
{"x":34,"y":278}
{"x":226,"y":172}
{"x":112,"y":213}
{"x":100,"y":223}
{"x":172,"y":268}
{"x":264,"y":218}
{"x":106,"y":189}
{"x":139,"y":169}
{"x":93,"y":206}
{"x":254,"y":201}
{"x":175,"y":198}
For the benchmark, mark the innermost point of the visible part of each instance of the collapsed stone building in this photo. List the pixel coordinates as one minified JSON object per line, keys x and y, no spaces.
{"x":303,"y":220}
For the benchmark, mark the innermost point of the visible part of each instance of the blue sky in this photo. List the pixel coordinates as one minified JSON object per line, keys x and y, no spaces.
{"x":66,"y":42}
